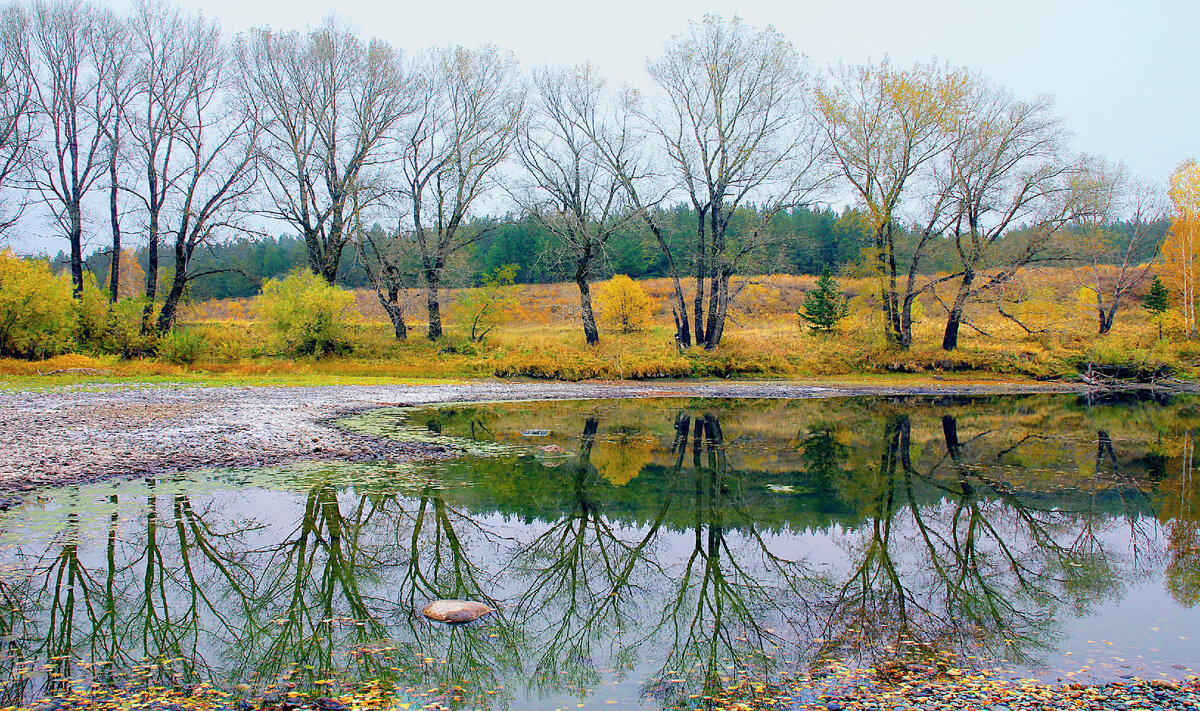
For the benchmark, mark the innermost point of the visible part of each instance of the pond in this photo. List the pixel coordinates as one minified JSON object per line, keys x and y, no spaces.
{"x":640,"y":553}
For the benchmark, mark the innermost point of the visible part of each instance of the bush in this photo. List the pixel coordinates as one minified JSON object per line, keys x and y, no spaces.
{"x":484,"y":307}
{"x":36,"y":319}
{"x":624,"y":305}
{"x":181,"y":346}
{"x":116,"y":329}
{"x":309,"y":316}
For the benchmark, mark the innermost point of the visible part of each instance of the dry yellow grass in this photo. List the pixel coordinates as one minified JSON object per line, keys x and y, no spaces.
{"x":541,"y":337}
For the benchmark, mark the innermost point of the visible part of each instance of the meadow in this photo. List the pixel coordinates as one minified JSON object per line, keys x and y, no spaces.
{"x":538,"y":335}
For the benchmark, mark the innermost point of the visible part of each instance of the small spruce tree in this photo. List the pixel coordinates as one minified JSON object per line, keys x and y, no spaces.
{"x":1156,"y":301}
{"x":825,"y":305}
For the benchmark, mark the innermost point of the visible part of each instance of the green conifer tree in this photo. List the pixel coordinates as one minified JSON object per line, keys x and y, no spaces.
{"x":825,"y":305}
{"x":1156,"y":301}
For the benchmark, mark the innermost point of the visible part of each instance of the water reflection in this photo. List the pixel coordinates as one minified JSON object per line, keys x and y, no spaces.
{"x":655,"y":550}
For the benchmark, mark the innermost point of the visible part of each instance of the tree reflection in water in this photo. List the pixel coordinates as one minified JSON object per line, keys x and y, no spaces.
{"x":689,"y":572}
{"x":979,"y":573}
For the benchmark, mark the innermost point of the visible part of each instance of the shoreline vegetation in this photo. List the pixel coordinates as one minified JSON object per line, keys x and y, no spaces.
{"x":532,"y":331}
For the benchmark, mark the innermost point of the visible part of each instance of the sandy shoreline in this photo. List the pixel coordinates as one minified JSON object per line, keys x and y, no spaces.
{"x":92,"y":432}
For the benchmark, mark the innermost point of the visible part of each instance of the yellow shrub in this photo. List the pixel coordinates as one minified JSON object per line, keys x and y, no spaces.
{"x":308,"y":314}
{"x":624,"y":305}
{"x":35,"y":308}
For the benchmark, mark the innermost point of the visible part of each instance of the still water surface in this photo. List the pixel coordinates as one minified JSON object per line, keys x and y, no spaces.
{"x":640,"y":553}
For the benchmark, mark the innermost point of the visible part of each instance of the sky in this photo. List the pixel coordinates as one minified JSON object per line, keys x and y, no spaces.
{"x":1123,"y":73}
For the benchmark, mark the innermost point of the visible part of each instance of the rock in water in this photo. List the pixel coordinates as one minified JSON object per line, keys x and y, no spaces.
{"x":455,"y":610}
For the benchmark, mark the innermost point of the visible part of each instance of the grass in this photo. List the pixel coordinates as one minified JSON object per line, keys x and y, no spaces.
{"x":541,"y":338}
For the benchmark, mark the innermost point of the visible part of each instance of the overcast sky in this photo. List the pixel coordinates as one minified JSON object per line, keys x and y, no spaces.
{"x":1123,"y":73}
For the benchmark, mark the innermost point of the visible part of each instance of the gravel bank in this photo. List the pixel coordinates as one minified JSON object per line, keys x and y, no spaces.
{"x":121,"y":430}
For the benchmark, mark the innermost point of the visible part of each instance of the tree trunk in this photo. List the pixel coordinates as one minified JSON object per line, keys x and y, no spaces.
{"x":395,"y":312}
{"x":333,"y":259}
{"x":954,"y":320}
{"x":712,"y":335}
{"x":905,"y":339}
{"x":1107,"y":317}
{"x":718,"y":309}
{"x":893,"y":326}
{"x":114,"y":272}
{"x":716,"y":270}
{"x":322,"y":260}
{"x":589,"y":317}
{"x":433,"y":278}
{"x":166,"y":317}
{"x":698,"y":305}
{"x":76,"y":252}
{"x":151,"y":271}
{"x":722,"y":309}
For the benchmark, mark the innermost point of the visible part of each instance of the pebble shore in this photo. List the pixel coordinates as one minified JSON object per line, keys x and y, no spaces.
{"x":91,"y":432}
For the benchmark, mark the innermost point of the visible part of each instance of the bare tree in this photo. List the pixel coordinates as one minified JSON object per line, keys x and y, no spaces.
{"x":16,"y":90}
{"x":69,"y":95}
{"x":1003,"y":169}
{"x":325,"y":102}
{"x":470,"y":108}
{"x":391,"y":268}
{"x":574,"y":194}
{"x":115,"y":61}
{"x":886,"y":127}
{"x":1117,"y":238}
{"x":196,"y":154}
{"x":168,"y":46}
{"x":619,"y":137}
{"x":733,"y":125}
{"x":218,"y":152}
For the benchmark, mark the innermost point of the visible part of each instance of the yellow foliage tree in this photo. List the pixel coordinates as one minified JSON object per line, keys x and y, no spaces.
{"x":1181,"y":250}
{"x":886,"y":128}
{"x":624,"y":304}
{"x":36,"y":317}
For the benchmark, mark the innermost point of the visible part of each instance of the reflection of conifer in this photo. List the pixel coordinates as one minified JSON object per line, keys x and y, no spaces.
{"x":823,"y":457}
{"x":825,"y":305}
{"x":1156,"y":301}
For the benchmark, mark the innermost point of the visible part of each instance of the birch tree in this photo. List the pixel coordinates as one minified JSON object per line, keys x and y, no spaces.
{"x":1181,"y":251}
{"x":733,"y":124}
{"x":469,"y":112}
{"x":326,"y":103}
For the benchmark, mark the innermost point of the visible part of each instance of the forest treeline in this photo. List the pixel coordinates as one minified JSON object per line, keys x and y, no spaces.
{"x":808,"y":239}
{"x":150,"y":130}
